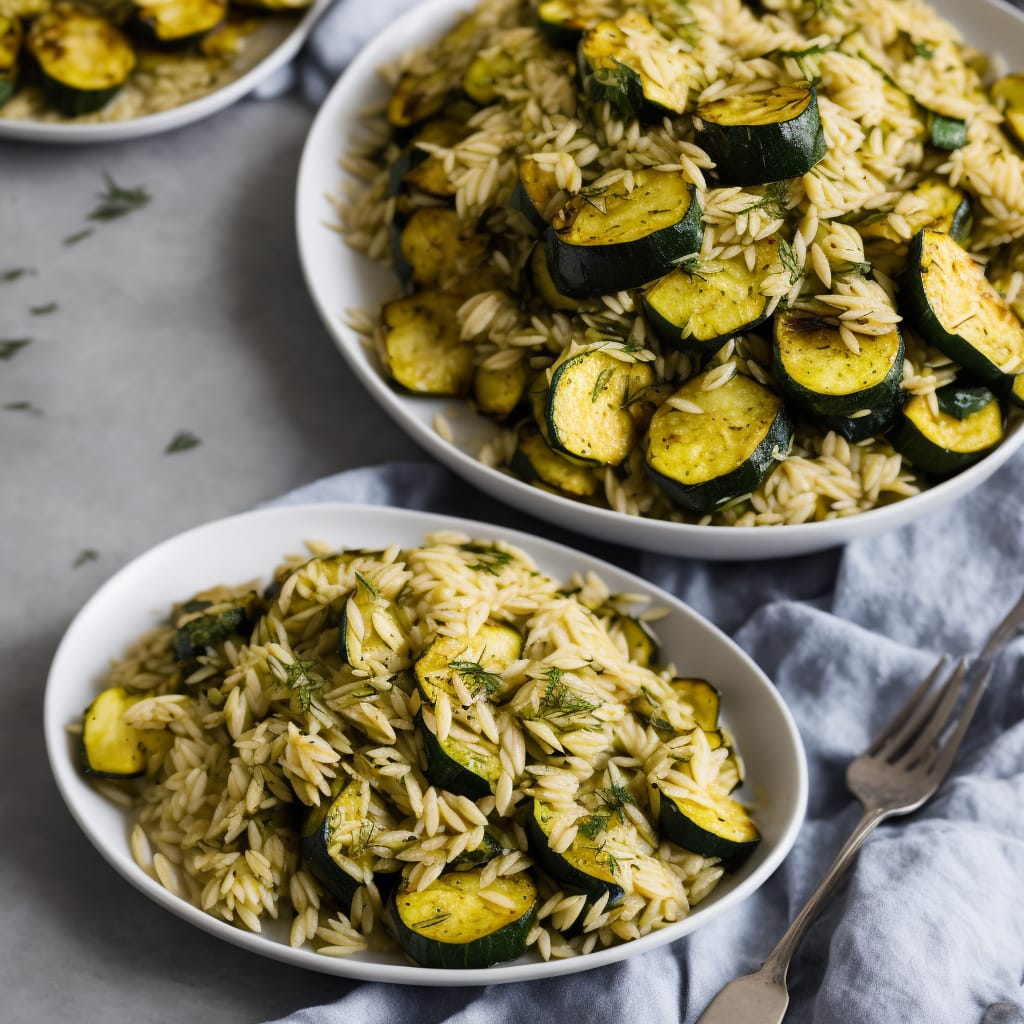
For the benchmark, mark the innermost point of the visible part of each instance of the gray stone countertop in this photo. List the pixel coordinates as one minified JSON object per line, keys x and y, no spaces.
{"x":187,"y":315}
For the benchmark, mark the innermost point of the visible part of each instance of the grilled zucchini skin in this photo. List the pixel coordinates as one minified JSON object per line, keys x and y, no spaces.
{"x":748,"y":149}
{"x":821,"y":376}
{"x":535,"y":461}
{"x":724,"y":830}
{"x":11,"y":38}
{"x":457,"y":768}
{"x":701,"y":461}
{"x":633,"y":238}
{"x":958,"y":310}
{"x":943,"y":444}
{"x":83,"y":60}
{"x":173,"y":25}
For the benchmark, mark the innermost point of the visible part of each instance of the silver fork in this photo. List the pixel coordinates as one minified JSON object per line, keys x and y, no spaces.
{"x":901,"y":769}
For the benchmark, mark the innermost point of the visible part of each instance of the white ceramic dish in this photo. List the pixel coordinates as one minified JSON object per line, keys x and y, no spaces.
{"x":339,"y":279}
{"x":272,"y":50}
{"x":247,"y":546}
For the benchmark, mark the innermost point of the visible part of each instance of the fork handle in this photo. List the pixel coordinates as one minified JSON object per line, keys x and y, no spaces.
{"x":776,"y":964}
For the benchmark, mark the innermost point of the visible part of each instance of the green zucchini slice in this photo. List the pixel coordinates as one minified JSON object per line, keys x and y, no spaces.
{"x":478,"y":662}
{"x":497,"y":392}
{"x":1008,"y":92}
{"x":763,"y":136}
{"x":641,"y":643}
{"x":563,"y":22}
{"x":178,"y":22}
{"x":701,"y":309}
{"x":703,"y":460}
{"x":615,"y":58}
{"x":205,"y":623}
{"x":584,"y":866}
{"x":599,"y":244}
{"x":534,"y":192}
{"x":937,"y":205}
{"x":945,"y":132}
{"x":534,"y":460}
{"x":449,"y":924}
{"x":463,"y":768}
{"x":819,"y":374}
{"x":543,"y":284}
{"x":437,"y":247}
{"x":968,"y":426}
{"x":586,"y":415}
{"x":11,"y":36}
{"x":111,"y":748}
{"x":958,"y":310}
{"x":334,"y":840}
{"x":694,"y":699}
{"x":720,"y":829}
{"x":382,"y":641}
{"x":82,"y":57}
{"x":483,"y":80}
{"x":425,"y":354}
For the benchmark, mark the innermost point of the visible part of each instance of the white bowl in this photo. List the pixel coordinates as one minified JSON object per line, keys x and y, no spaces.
{"x":247,"y":546}
{"x":340,"y":278}
{"x":279,"y":43}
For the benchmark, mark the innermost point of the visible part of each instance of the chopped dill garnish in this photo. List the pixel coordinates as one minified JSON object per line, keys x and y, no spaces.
{"x":491,"y":560}
{"x":363,"y":838}
{"x":790,"y":262}
{"x":593,"y":825}
{"x":367,"y":585}
{"x":478,"y":680}
{"x":774,"y":202}
{"x":615,"y":797}
{"x":304,"y":682}
{"x":923,"y":50}
{"x":690,"y":264}
{"x":560,"y":701}
{"x":181,"y":442}
{"x":118,"y":201}
{"x":431,"y":922}
{"x":601,"y":384}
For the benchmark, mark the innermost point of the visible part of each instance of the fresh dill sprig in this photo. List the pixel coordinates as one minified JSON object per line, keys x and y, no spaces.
{"x":561,"y":701}
{"x":593,"y":825}
{"x":476,"y":677}
{"x":302,"y":679}
{"x":601,"y":383}
{"x":118,"y":201}
{"x":363,"y":838}
{"x":431,"y":922}
{"x":492,"y":558}
{"x":774,"y":202}
{"x":615,"y":797}
{"x":367,"y":585}
{"x":790,"y":262}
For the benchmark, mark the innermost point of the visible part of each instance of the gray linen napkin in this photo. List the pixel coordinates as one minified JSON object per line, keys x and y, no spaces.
{"x":931,"y":926}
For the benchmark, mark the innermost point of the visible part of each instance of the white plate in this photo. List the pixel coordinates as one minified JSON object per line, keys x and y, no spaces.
{"x":247,"y":546}
{"x":339,"y":278}
{"x":278,"y":44}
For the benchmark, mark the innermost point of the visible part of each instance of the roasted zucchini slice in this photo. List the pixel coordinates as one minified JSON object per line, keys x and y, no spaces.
{"x":584,"y":866}
{"x":335,"y":839}
{"x":1001,"y":271}
{"x":600,"y":244}
{"x":205,"y":623}
{"x":968,"y":426}
{"x":718,"y":827}
{"x":958,"y":310}
{"x":692,"y":699}
{"x":83,"y":59}
{"x":111,"y":748}
{"x":641,"y":643}
{"x":535,"y":461}
{"x":563,"y":22}
{"x":487,"y":74}
{"x":543,"y":284}
{"x":173,"y":23}
{"x":459,"y":766}
{"x":379,"y":641}
{"x":535,"y":190}
{"x":762,"y":136}
{"x":11,"y":36}
{"x":701,"y":307}
{"x":1008,"y":92}
{"x":436,"y":246}
{"x":586,"y":415}
{"x":425,"y":354}
{"x":857,"y":394}
{"x":945,"y":132}
{"x":478,"y":662}
{"x":451,"y":924}
{"x":703,"y":460}
{"x":935,"y":204}
{"x":498,"y":391}
{"x":615,"y":58}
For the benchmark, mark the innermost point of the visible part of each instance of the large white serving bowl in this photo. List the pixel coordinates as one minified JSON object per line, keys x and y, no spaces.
{"x":271,"y":48}
{"x":248,"y":546}
{"x":340,"y":278}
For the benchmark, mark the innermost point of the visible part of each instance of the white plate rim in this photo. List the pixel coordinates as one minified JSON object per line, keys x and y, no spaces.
{"x":288,"y":521}
{"x":175,"y":117}
{"x":322,"y":271}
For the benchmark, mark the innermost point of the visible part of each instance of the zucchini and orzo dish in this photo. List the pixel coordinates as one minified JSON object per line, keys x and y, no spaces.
{"x":439,"y":750}
{"x":707,"y":261}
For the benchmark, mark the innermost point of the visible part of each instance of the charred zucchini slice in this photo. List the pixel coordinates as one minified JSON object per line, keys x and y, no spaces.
{"x":958,"y":310}
{"x":763,"y":136}
{"x":478,"y":662}
{"x":437,"y":247}
{"x":598,"y":244}
{"x":968,"y":426}
{"x":111,"y":748}
{"x":584,"y":866}
{"x":11,"y":37}
{"x":451,"y":924}
{"x":586,"y":416}
{"x":466,"y":768}
{"x":720,"y":827}
{"x":535,"y":461}
{"x":178,"y":22}
{"x":335,"y":839}
{"x":425,"y":354}
{"x":205,"y":623}
{"x":701,"y":307}
{"x":703,"y":460}
{"x":845,"y":391}
{"x":614,"y":60}
{"x":1008,"y":92}
{"x":82,"y":57}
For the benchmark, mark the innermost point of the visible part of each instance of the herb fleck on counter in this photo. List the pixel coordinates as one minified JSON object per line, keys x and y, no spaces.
{"x":77,"y":236}
{"x":84,"y":556}
{"x":23,"y":407}
{"x":10,"y":346}
{"x":181,"y":442}
{"x":14,"y":273}
{"x":117,"y":201}
{"x":50,"y":307}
